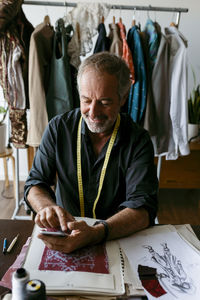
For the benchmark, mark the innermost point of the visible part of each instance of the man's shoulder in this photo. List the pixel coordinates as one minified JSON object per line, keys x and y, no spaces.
{"x":130,"y":127}
{"x":69,"y":117}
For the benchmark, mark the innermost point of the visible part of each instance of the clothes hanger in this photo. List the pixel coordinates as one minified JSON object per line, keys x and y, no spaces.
{"x":47,"y":20}
{"x":148,"y":14}
{"x":114,"y":15}
{"x":134,"y":17}
{"x":120,"y":16}
{"x":155,"y":17}
{"x":65,"y":17}
{"x":172,"y":22}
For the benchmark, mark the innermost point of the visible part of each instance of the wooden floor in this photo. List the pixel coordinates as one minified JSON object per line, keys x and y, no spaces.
{"x":176,"y":206}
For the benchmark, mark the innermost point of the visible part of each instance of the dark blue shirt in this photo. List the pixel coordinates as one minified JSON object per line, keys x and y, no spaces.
{"x":130,"y":179}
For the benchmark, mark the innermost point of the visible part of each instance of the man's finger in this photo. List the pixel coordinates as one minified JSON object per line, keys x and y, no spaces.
{"x":40,"y":220}
{"x":77,"y":225}
{"x":63,"y":217}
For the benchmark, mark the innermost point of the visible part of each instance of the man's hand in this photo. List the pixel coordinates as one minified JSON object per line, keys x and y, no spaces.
{"x":81,"y":235}
{"x":53,"y":216}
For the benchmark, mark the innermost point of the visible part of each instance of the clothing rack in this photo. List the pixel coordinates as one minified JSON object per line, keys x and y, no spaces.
{"x":178,"y":10}
{"x":127,"y":7}
{"x":113,"y":6}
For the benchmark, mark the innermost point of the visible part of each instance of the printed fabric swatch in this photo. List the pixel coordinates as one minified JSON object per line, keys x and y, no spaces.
{"x":89,"y":259}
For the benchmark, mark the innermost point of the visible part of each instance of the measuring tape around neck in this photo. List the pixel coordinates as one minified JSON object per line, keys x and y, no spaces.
{"x":103,"y":171}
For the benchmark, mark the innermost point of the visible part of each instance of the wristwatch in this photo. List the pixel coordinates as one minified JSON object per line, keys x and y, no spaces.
{"x":106,"y":229}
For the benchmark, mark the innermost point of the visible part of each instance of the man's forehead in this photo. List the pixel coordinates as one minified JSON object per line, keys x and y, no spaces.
{"x":98,"y":73}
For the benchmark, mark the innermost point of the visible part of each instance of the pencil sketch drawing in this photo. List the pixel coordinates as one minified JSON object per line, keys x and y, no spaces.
{"x":173,"y":276}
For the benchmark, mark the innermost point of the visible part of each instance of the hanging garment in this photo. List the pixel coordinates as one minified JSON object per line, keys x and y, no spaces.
{"x":159,"y":119}
{"x":74,"y":48}
{"x":103,"y":42}
{"x":19,"y":127}
{"x":126,"y":53}
{"x":41,"y":45}
{"x":178,"y":62}
{"x":116,"y":46}
{"x":59,"y":96}
{"x":17,"y":95}
{"x":138,"y":91}
{"x":14,"y":83}
{"x":74,"y":71}
{"x":148,"y":122}
{"x":151,"y":29}
{"x":14,"y":49}
{"x":88,"y":15}
{"x":8,"y":11}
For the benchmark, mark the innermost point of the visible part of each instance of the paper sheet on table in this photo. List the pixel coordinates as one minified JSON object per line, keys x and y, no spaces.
{"x":177,"y":264}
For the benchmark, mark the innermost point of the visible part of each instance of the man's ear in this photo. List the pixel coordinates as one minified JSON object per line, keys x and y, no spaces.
{"x":124,"y":99}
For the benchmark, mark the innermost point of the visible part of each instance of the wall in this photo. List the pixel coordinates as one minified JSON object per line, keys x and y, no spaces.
{"x":189,"y":25}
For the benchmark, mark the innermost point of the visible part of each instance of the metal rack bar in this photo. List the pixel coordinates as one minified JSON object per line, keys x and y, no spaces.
{"x":124,"y":7}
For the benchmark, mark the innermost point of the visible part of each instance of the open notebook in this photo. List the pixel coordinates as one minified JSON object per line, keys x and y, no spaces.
{"x":93,"y":270}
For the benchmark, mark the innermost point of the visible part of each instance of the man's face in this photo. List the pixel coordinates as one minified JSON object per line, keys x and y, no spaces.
{"x":99,"y":100}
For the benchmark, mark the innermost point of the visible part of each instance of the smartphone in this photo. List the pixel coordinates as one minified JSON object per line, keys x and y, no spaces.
{"x":52,"y":231}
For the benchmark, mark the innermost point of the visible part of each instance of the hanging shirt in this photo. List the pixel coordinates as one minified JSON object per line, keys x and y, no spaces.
{"x":14,"y":49}
{"x":160,"y":124}
{"x":126,"y":55}
{"x":153,"y":40}
{"x":178,"y":143}
{"x":17,"y":97}
{"x":138,"y":91}
{"x":116,"y":46}
{"x":59,"y":96}
{"x":41,"y":45}
{"x":103,"y":42}
{"x":88,"y":16}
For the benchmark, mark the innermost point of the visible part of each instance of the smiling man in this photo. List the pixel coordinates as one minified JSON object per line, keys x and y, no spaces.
{"x":102,"y":162}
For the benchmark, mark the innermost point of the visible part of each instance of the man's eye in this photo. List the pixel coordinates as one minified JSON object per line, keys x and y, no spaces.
{"x":105,"y":103}
{"x":86,"y":101}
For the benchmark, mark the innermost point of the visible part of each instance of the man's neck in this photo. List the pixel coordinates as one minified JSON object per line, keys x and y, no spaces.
{"x":99,"y":140}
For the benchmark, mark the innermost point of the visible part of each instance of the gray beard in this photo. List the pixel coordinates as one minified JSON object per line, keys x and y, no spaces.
{"x":96,"y":128}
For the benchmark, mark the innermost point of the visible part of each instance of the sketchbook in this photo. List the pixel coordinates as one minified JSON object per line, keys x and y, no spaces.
{"x":112,"y":269}
{"x":96,"y":270}
{"x":164,"y":262}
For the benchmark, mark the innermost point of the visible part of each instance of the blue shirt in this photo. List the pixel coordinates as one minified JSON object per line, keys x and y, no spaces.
{"x":138,"y":91}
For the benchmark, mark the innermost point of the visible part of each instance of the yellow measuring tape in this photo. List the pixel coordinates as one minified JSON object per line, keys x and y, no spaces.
{"x":103,"y":171}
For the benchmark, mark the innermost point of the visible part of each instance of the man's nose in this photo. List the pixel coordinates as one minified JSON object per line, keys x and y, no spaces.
{"x":94,"y":109}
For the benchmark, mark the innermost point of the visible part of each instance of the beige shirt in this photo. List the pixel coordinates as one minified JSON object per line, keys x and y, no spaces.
{"x":116,"y":42}
{"x":41,"y":46}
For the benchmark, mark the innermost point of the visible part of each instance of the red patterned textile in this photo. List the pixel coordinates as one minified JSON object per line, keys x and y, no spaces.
{"x":89,"y":259}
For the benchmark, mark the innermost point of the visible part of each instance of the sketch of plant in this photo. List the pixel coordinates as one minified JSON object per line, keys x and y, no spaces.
{"x":174,"y":276}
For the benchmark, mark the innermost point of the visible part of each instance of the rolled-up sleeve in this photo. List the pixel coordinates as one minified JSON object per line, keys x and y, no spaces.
{"x":141,"y":178}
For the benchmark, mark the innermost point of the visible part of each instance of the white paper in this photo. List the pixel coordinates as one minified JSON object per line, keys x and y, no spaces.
{"x":177,"y":264}
{"x":61,"y":282}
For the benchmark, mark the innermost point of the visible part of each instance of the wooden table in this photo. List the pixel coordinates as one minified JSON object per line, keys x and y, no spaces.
{"x":10,"y":228}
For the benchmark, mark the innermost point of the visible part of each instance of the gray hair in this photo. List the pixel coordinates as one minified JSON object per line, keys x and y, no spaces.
{"x":111,"y":64}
